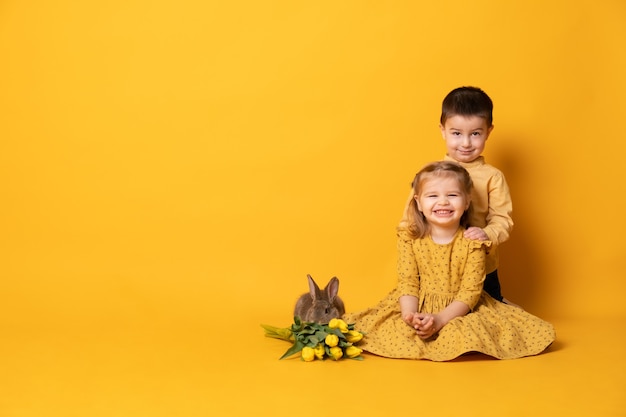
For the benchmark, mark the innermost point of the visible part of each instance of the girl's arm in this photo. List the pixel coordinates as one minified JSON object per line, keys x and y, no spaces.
{"x":428,"y":324}
{"x":473,"y":274}
{"x":453,"y":310}
{"x":408,"y":276}
{"x":408,"y":307}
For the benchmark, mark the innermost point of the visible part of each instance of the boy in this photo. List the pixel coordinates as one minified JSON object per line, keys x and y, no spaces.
{"x":466,"y":122}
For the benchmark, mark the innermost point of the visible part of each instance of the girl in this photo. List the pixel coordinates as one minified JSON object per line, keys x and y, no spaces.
{"x":438,"y":310}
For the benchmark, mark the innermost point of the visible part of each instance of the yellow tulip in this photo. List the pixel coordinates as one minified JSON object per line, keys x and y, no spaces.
{"x":336,"y":353}
{"x":353,"y":336}
{"x":319,"y":351}
{"x":353,"y":351}
{"x":338,"y":324}
{"x":308,"y":354}
{"x":332,"y":340}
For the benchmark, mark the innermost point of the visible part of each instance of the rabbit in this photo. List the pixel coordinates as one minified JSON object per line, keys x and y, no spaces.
{"x":320,"y":306}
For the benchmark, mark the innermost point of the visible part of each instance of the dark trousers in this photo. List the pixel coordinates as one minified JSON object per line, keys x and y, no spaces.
{"x":492,"y":285}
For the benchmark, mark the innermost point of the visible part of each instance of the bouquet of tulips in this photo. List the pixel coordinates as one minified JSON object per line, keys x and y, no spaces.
{"x":334,"y":340}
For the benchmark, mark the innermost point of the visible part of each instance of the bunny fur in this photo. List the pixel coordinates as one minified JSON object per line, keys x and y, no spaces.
{"x":320,"y":306}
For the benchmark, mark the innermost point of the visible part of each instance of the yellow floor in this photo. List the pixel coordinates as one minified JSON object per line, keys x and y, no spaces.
{"x":198,"y":369}
{"x":159,"y":159}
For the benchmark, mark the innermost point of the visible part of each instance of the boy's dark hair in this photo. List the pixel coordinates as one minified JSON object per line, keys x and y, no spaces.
{"x":467,"y":101}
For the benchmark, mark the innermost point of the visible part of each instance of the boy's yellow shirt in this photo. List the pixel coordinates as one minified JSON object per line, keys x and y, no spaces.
{"x":492,"y":205}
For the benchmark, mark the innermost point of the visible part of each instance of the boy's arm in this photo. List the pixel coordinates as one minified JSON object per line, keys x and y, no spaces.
{"x":499,"y":221}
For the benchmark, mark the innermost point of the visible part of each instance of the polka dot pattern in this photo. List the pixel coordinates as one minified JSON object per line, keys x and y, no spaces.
{"x":437,"y":275}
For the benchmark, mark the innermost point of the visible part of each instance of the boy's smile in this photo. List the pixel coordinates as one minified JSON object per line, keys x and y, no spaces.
{"x":465,"y":137}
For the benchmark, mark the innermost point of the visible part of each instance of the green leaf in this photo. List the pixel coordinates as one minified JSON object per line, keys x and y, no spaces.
{"x":274,"y":336}
{"x":297,"y":347}
{"x":327,"y":350}
{"x":277,"y":332}
{"x":310,"y":341}
{"x":321,"y":334}
{"x":338,"y":333}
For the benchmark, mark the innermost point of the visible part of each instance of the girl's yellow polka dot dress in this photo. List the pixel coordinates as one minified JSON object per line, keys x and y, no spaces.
{"x":437,"y":275}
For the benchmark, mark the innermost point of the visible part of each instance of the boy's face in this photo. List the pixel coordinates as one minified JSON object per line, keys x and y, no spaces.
{"x":465,"y":137}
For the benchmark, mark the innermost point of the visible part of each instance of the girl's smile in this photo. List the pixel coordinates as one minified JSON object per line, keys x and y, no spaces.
{"x":442,"y":201}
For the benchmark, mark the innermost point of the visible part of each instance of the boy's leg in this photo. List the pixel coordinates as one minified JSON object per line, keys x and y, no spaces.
{"x":492,"y":285}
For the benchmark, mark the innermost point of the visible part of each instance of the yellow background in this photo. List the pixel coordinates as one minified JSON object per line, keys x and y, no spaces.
{"x":181,"y":166}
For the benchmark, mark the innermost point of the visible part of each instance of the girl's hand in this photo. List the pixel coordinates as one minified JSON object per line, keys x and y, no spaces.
{"x":410,"y":319}
{"x":475,"y":233}
{"x":425,"y":324}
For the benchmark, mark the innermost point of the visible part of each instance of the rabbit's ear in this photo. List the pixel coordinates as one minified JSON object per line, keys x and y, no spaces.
{"x":332,"y":288}
{"x":314,"y":290}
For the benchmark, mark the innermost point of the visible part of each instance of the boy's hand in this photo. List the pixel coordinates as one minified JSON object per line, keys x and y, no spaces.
{"x":476,"y":233}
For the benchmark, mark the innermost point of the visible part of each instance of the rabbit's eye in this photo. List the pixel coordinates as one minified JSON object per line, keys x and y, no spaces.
{"x":327,"y":310}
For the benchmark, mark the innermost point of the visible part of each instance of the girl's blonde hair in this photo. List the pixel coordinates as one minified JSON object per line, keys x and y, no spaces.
{"x":418,"y":226}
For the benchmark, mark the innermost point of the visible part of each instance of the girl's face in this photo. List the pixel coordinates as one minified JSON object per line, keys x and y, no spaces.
{"x":442,"y":201}
{"x":465,"y":137}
